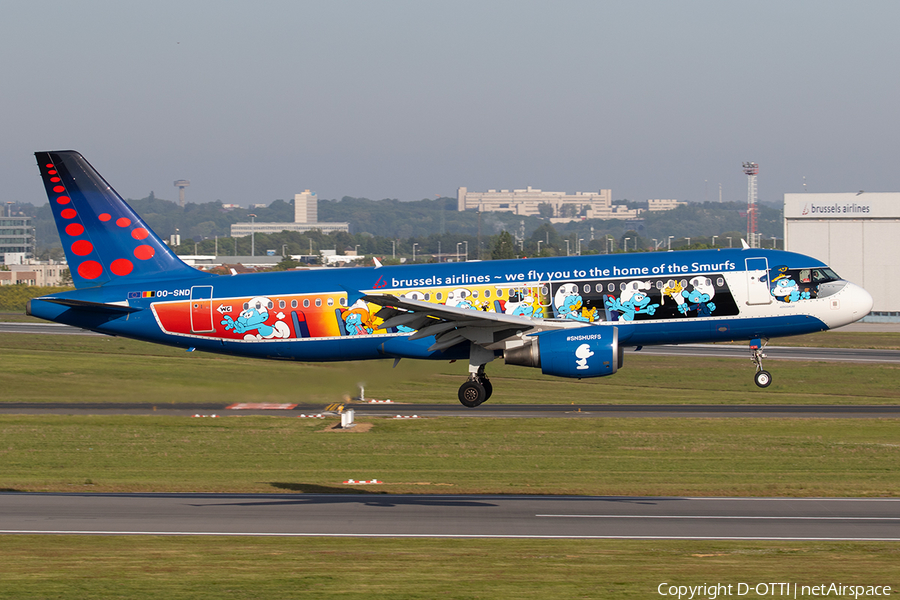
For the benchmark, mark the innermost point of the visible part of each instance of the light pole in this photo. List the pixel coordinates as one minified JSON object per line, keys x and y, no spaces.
{"x":579,"y":245}
{"x":714,"y":241}
{"x":252,"y":234}
{"x":439,"y":251}
{"x":393,"y":248}
{"x":626,"y":245}
{"x":729,"y":242}
{"x":567,"y":247}
{"x":414,"y":251}
{"x":670,"y":241}
{"x":689,"y":243}
{"x":655,"y":244}
{"x":539,"y":246}
{"x":283,"y":251}
{"x":458,"y":244}
{"x":466,"y":242}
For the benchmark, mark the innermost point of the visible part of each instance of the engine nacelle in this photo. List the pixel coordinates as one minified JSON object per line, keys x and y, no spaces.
{"x":582,"y":352}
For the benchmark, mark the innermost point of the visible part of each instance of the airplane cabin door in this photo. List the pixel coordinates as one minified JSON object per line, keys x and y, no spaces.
{"x":757,"y":284}
{"x":201,"y":309}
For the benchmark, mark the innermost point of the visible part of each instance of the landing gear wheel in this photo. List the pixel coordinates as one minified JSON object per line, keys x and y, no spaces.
{"x":472,"y":393}
{"x":763,"y":378}
{"x":488,"y":388}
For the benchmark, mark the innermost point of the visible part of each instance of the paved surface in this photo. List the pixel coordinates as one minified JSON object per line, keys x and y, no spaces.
{"x":451,"y":516}
{"x":453,"y":409}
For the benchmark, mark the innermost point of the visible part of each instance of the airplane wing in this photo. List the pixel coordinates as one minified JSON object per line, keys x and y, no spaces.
{"x":451,"y":325}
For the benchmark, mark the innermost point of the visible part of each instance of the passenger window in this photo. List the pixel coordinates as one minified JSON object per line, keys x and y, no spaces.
{"x":611,"y":287}
{"x":331,"y":302}
{"x":720,"y":282}
{"x":587,"y":288}
{"x":440,"y":296}
{"x":599,"y":287}
{"x":343,"y":301}
{"x":281,"y":304}
{"x":487,"y":293}
{"x":318,"y":302}
{"x":622,"y":286}
{"x":305,"y":303}
{"x":293,"y":304}
{"x":427,"y":296}
{"x":659,"y":285}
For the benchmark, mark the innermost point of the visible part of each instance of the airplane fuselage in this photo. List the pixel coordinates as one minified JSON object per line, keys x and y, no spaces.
{"x":314,"y":315}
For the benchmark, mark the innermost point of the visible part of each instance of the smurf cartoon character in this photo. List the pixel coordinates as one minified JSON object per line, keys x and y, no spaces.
{"x":522,"y":303}
{"x":785,"y":289}
{"x":461,"y":298}
{"x":632,"y":301}
{"x":357,"y":319}
{"x":570,"y":305}
{"x":582,"y":353}
{"x":698,"y":297}
{"x":254,"y":316}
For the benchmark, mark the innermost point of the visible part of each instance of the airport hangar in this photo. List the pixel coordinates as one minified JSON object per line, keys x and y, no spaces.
{"x":857,"y":234}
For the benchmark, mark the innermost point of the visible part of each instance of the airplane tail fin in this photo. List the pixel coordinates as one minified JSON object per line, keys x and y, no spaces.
{"x":105,"y":241}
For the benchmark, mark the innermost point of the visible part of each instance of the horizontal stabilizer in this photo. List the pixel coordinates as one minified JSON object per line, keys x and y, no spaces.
{"x":92,"y":306}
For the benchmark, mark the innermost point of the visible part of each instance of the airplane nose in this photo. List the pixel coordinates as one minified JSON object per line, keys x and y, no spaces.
{"x":854,"y":304}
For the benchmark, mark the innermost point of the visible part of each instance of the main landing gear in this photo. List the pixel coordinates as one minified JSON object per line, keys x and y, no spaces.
{"x":762,"y":378}
{"x":477,"y":387}
{"x":475,"y":390}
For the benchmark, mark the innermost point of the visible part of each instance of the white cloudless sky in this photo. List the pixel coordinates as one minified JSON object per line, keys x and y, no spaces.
{"x":409,"y":99}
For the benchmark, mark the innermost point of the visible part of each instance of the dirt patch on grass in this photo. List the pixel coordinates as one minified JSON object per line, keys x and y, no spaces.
{"x":357,"y":428}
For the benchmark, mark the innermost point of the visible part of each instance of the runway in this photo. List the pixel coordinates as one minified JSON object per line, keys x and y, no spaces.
{"x":454,"y":409}
{"x":376,"y":515}
{"x":700,"y":350}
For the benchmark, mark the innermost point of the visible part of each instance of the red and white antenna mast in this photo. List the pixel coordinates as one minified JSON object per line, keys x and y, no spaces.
{"x":751,"y":170}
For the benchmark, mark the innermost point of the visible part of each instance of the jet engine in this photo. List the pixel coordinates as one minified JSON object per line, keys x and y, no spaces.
{"x":583,"y":352}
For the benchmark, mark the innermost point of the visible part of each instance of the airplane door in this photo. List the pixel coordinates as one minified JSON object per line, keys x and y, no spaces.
{"x":757,"y":283}
{"x":201,"y":309}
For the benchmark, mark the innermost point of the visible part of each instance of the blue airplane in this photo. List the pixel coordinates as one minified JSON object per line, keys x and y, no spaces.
{"x":570,"y":317}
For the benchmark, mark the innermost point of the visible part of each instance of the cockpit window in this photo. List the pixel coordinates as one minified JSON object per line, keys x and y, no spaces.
{"x":824,"y":275}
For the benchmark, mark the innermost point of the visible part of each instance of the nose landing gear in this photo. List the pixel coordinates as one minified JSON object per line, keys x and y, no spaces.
{"x":762,"y":378}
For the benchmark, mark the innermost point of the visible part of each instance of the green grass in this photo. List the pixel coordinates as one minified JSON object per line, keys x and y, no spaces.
{"x":58,"y":368}
{"x":274,"y":568}
{"x":593,"y":456}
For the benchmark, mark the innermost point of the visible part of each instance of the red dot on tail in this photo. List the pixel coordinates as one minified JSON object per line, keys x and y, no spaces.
{"x":90,"y":269}
{"x":105,"y":217}
{"x":144,"y":252}
{"x":52,"y":172}
{"x":82,"y":247}
{"x":59,"y":189}
{"x":63,"y":200}
{"x":68,"y":213}
{"x":140,"y":233}
{"x":49,"y":165}
{"x":121,"y":266}
{"x":123,"y":222}
{"x":55,"y":179}
{"x":74,"y":229}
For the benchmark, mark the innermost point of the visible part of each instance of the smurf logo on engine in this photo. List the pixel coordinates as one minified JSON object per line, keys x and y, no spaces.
{"x":582,"y":353}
